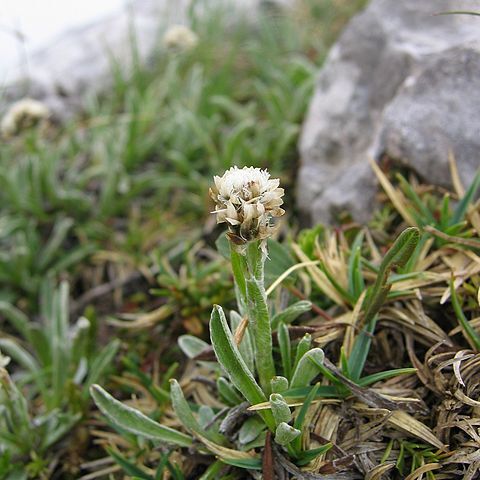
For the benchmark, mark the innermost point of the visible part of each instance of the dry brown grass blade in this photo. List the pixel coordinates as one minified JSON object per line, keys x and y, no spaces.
{"x":466,"y":400}
{"x":456,"y":181}
{"x":223,"y":452}
{"x":326,"y":422}
{"x":474,"y":216}
{"x":304,"y":475}
{"x":288,"y":272}
{"x":373,"y":249}
{"x":380,"y":470}
{"x":319,"y":277}
{"x":425,"y":279}
{"x":413,"y":319}
{"x":146,"y":320}
{"x":362,"y":432}
{"x":292,"y":403}
{"x":103,"y":473}
{"x":240,"y":331}
{"x":367,"y":395}
{"x":467,"y":242}
{"x":418,"y":473}
{"x":474,"y":322}
{"x":396,"y":197}
{"x":411,"y":426}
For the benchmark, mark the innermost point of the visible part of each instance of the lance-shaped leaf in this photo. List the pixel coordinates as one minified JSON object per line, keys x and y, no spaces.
{"x":303,"y":347}
{"x":192,"y":346}
{"x":134,"y":421}
{"x":291,"y":313}
{"x":185,"y":415}
{"x":280,"y":409}
{"x":285,"y":350}
{"x":279,"y":384}
{"x":250,"y":430}
{"x":307,"y":368}
{"x":286,"y":434}
{"x":232,"y":362}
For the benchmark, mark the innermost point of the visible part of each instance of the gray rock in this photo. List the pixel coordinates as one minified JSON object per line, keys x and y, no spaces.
{"x":81,"y":60}
{"x":401,"y":82}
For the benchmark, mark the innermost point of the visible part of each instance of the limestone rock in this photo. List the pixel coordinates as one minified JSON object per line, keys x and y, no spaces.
{"x":403,"y":82}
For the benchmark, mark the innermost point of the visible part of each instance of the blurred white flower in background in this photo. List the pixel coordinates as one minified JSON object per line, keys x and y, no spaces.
{"x":23,"y":114}
{"x":180,"y":37}
{"x":4,"y":360}
{"x":247,"y":199}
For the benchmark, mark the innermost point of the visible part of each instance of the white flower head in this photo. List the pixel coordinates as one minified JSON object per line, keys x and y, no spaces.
{"x":180,"y":38}
{"x":23,"y":114}
{"x":247,"y":199}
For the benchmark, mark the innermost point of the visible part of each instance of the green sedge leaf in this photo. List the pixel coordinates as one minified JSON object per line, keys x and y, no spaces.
{"x":300,"y":418}
{"x":253,"y":464}
{"x":285,"y":350}
{"x":376,"y":377}
{"x":462,"y":207}
{"x":309,"y":455}
{"x":472,"y":336}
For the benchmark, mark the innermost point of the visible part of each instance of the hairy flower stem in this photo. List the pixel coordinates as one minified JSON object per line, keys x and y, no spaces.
{"x":258,"y":315}
{"x":239,"y":267}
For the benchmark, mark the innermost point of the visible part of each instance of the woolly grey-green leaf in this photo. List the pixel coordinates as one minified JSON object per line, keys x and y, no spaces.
{"x":280,"y":409}
{"x":284,"y":434}
{"x":307,"y":368}
{"x":279,"y":384}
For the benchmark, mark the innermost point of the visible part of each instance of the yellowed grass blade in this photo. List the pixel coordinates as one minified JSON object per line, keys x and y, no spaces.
{"x":450,"y":238}
{"x":474,"y":217}
{"x":146,"y":320}
{"x":103,"y":473}
{"x":457,"y":182}
{"x":349,"y":339}
{"x":286,"y":273}
{"x":267,"y":406}
{"x":408,"y":424}
{"x":395,"y":197}
{"x":380,"y":470}
{"x":223,"y":452}
{"x":474,"y":322}
{"x":240,"y":331}
{"x":420,"y":471}
{"x":319,"y":277}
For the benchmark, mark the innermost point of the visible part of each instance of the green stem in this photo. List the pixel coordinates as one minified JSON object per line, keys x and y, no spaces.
{"x":255,"y":261}
{"x":258,"y":315}
{"x":239,"y":267}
